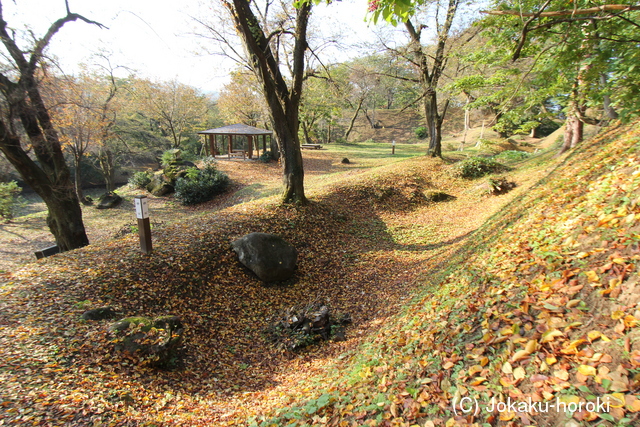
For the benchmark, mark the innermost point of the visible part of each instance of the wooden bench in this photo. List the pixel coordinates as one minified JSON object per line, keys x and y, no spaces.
{"x":311,"y":146}
{"x":51,"y":250}
{"x":238,"y":153}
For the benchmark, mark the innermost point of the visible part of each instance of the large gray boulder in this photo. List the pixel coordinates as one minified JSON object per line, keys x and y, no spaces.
{"x":270,"y":257}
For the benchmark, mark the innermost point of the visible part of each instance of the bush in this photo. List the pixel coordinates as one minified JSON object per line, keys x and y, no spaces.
{"x":140,"y":179}
{"x":421,"y":132}
{"x":476,"y":167}
{"x":200,"y":185}
{"x":266,"y":157}
{"x":9,"y":199}
{"x":512,"y":155}
{"x":171,"y":158}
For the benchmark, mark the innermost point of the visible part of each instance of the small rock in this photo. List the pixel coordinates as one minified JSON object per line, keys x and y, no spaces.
{"x":437,"y":196}
{"x":100,"y":313}
{"x":109,"y":201}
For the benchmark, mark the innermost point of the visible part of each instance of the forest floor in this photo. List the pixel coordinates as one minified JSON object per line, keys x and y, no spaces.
{"x":431,"y":287}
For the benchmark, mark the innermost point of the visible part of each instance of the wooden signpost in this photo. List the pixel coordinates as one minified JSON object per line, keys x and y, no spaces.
{"x":144,"y":226}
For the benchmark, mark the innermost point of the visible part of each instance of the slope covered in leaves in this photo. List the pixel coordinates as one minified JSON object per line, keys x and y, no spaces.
{"x":533,"y":322}
{"x":358,"y":253}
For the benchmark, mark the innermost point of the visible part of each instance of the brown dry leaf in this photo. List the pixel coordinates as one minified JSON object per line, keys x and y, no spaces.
{"x":561,"y":374}
{"x":632,"y":403}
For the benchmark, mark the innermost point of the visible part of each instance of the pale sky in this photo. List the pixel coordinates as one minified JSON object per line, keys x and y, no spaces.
{"x":153,"y":37}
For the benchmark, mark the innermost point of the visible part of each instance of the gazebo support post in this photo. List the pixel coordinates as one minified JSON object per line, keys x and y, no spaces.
{"x":250,"y":145}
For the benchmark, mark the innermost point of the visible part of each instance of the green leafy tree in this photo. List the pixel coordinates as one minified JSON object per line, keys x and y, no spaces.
{"x":592,"y":45}
{"x":176,"y":108}
{"x":240,"y":100}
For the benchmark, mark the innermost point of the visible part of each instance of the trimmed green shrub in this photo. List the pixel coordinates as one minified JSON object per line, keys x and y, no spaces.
{"x":421,"y":132}
{"x":200,"y":185}
{"x":9,"y":199}
{"x":266,"y":157}
{"x":476,"y":167}
{"x":171,"y":158}
{"x":140,"y":179}
{"x":512,"y":156}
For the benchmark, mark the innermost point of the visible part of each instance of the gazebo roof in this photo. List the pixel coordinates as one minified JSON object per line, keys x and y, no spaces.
{"x":237,"y":129}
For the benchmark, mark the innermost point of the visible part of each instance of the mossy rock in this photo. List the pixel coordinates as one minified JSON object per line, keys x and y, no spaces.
{"x":150,"y":341}
{"x":437,"y":196}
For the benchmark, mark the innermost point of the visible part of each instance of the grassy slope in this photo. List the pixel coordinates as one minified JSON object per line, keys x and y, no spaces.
{"x":59,"y":370}
{"x":542,"y":304}
{"x":366,"y":246}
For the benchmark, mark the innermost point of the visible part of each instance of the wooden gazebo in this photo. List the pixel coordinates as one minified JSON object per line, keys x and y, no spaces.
{"x":230,"y":132}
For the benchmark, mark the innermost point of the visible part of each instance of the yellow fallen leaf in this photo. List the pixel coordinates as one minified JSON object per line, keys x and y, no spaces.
{"x":519,"y":355}
{"x":567,"y":399}
{"x":507,"y":368}
{"x":519,"y":373}
{"x":587,"y":370}
{"x":592,"y":276}
{"x":531,"y":346}
{"x":573,"y":303}
{"x":507,"y":415}
{"x":474,"y":370}
{"x":550,"y":335}
{"x":630,"y":321}
{"x":572,"y":347}
{"x":478,"y":381}
{"x":618,"y":314}
{"x":616,"y":400}
{"x":594,"y":335}
{"x":550,"y":360}
{"x":619,"y":261}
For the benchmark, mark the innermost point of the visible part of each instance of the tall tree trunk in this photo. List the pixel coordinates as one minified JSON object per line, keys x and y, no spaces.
{"x":434,"y":124}
{"x":50,"y":176}
{"x":55,"y":188}
{"x":430,"y":76}
{"x":283,"y":101}
{"x":305,"y":131}
{"x":353,"y":120}
{"x":77,"y":176}
{"x":370,"y":119}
